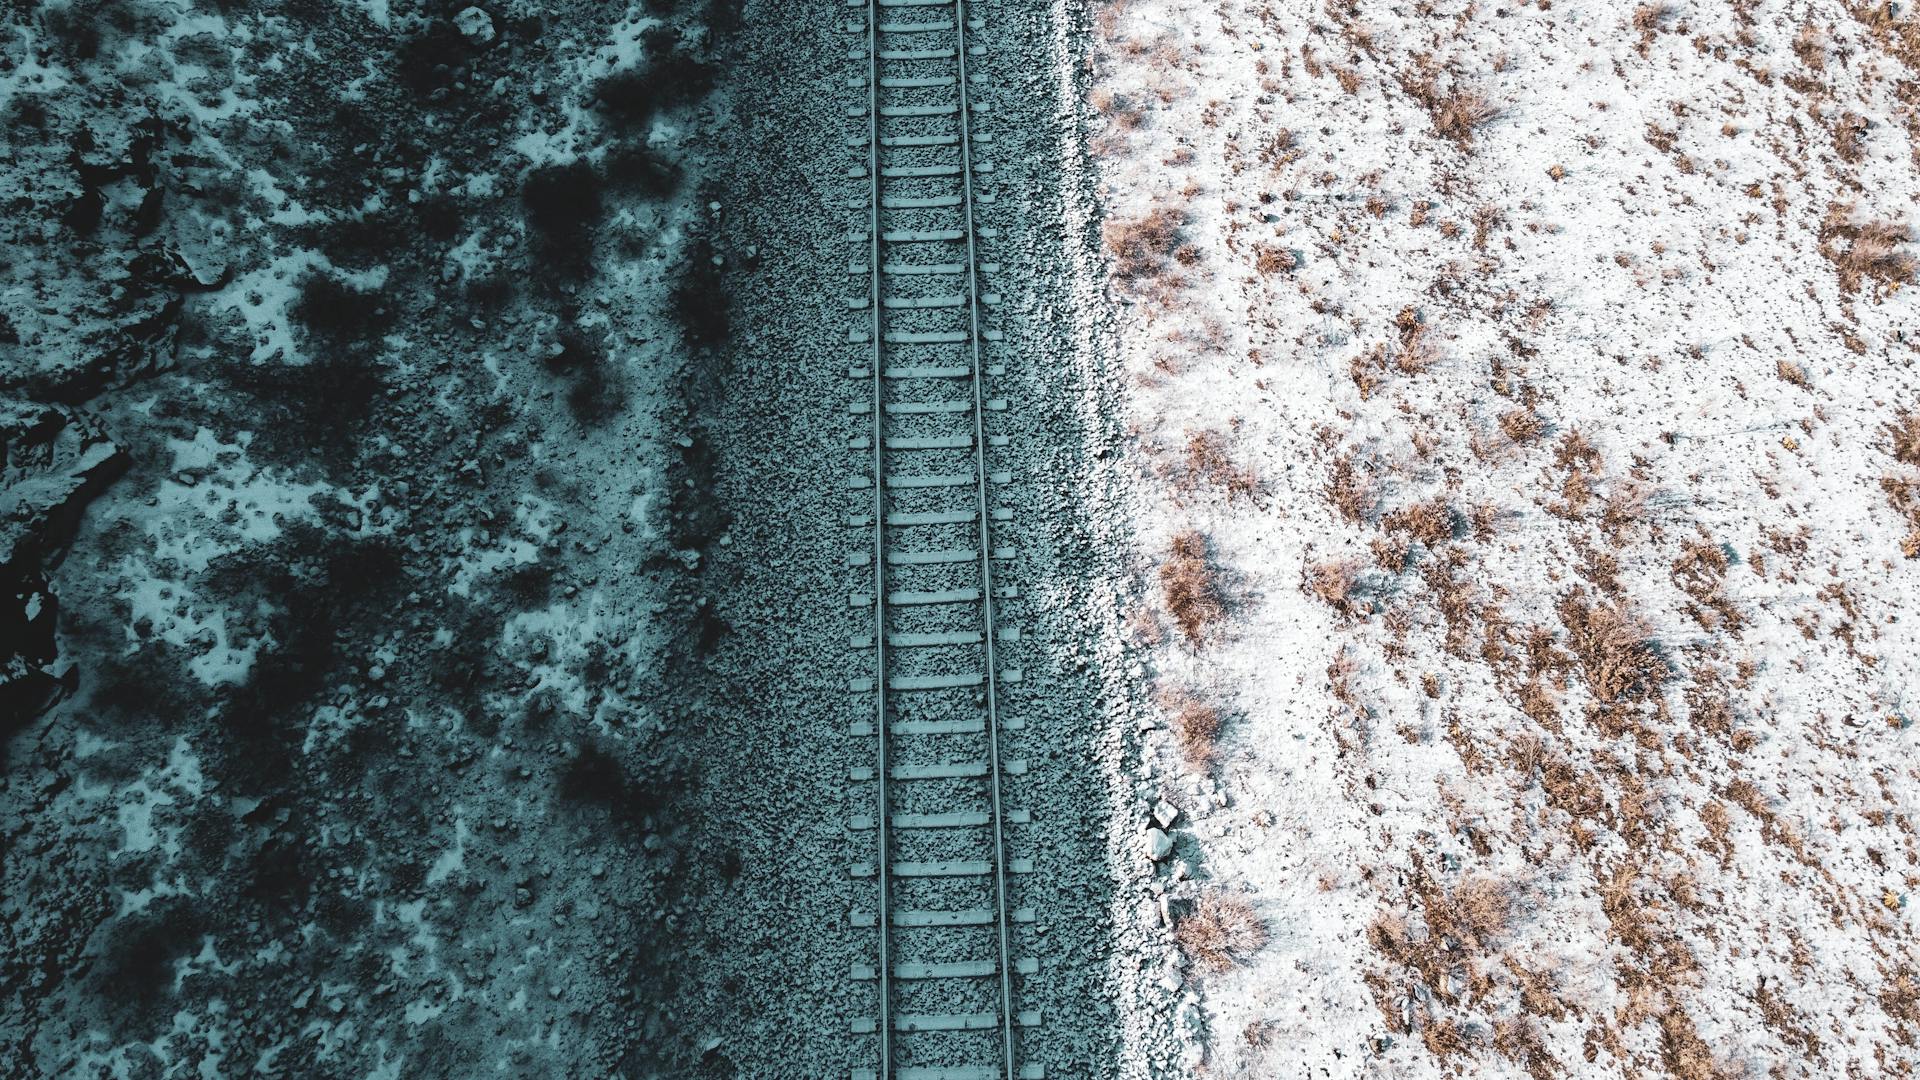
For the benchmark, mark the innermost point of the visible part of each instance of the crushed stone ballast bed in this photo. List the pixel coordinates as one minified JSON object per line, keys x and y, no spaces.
{"x":944,"y":930}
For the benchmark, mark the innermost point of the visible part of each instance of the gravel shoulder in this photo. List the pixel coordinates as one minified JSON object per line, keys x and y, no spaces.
{"x":773,"y":944}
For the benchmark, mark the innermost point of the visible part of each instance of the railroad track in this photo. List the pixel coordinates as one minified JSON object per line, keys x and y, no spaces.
{"x":944,"y":966}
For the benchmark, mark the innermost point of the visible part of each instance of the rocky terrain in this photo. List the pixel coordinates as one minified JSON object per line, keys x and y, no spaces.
{"x":354,"y":513}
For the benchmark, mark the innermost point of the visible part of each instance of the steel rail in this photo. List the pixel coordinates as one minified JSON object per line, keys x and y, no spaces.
{"x":876,"y":304}
{"x":986,"y":548}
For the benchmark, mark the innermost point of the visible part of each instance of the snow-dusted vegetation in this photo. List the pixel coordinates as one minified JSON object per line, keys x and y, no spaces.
{"x":1523,"y":431}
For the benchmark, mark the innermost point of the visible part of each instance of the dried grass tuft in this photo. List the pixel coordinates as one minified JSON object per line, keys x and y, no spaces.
{"x":1904,"y":433}
{"x":1353,"y":495}
{"x":1461,"y":113}
{"x":1221,"y":931}
{"x":1444,"y":1037}
{"x":1207,"y":462}
{"x":1333,"y":581}
{"x":1197,"y":726}
{"x":1270,"y":260}
{"x":1900,"y":997}
{"x":1189,"y":586}
{"x":1522,"y":425}
{"x":1863,"y":252}
{"x":1430,"y":522}
{"x":1141,"y":246}
{"x":1647,"y":19}
{"x":1616,"y":650}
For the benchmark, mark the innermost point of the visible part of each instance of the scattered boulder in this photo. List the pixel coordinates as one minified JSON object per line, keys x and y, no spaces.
{"x":1159,"y":845}
{"x":53,"y":461}
{"x":475,"y":25}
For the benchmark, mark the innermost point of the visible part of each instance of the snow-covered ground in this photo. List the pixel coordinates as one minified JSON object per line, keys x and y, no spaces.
{"x":1530,"y":376}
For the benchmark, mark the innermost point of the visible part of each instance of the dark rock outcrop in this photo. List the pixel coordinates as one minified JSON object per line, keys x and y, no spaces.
{"x":56,"y":459}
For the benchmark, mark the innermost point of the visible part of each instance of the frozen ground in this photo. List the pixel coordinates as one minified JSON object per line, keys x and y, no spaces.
{"x":1522,"y":469}
{"x":334,"y":745}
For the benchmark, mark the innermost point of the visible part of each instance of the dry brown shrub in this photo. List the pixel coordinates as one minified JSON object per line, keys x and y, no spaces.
{"x":1626,"y":507}
{"x":1390,"y":553}
{"x":1207,"y":461}
{"x":1773,"y":828}
{"x":1278,"y":150}
{"x":1340,"y":675}
{"x":1810,"y":46}
{"x":1454,"y":593}
{"x":1626,"y":913}
{"x":1484,"y":518}
{"x":1460,"y":926}
{"x":1430,"y":522}
{"x":1539,"y":990}
{"x":1196,"y":726}
{"x":1522,"y":425}
{"x":1904,"y":434}
{"x":1713,"y":818}
{"x":1700,"y":572}
{"x":1537,"y":702}
{"x":1575,"y":493}
{"x":1270,"y":260}
{"x":1568,"y":789}
{"x":1684,"y":1053}
{"x":1459,"y":114}
{"x":1333,"y":581}
{"x":1222,"y":930}
{"x":1444,"y":1037}
{"x":1478,"y":908}
{"x":1903,"y":494}
{"x":1187,"y":582}
{"x":1519,"y":1041}
{"x":1368,"y":370}
{"x":1574,"y":451}
{"x":1647,"y":19}
{"x":1616,"y":650}
{"x":1390,"y":936}
{"x":1793,"y":373}
{"x":1141,"y":246}
{"x":1352,"y":494}
{"x":1416,"y":355}
{"x":1846,"y":136}
{"x":1871,"y":252}
{"x":1900,"y":997}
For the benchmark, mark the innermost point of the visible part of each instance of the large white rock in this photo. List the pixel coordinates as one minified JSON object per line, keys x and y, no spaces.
{"x":1159,"y":845}
{"x":475,"y":25}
